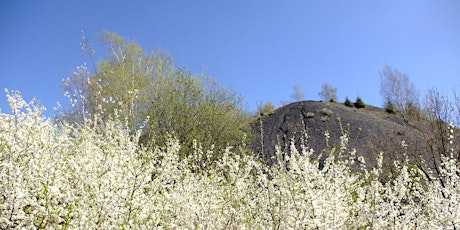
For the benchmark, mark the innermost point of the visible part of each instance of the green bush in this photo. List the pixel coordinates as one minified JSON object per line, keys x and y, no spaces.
{"x":266,"y":109}
{"x":390,"y":108}
{"x":348,"y":102}
{"x":359,"y":103}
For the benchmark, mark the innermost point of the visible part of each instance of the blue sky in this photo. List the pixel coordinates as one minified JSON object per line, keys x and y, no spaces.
{"x":260,"y":49}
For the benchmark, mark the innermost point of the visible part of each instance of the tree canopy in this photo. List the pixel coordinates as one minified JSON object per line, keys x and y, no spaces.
{"x":140,"y":86}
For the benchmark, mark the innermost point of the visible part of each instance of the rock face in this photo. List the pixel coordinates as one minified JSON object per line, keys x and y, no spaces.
{"x":370,"y":130}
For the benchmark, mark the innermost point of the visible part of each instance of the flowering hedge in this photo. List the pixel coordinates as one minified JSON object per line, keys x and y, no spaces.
{"x":96,"y":176}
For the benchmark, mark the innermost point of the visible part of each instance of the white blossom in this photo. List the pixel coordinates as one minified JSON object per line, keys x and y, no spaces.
{"x":55,"y":176}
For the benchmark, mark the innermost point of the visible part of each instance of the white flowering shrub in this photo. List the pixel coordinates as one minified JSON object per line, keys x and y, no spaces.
{"x":59,"y":176}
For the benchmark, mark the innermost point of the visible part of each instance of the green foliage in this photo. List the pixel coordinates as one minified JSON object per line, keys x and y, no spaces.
{"x":359,"y":103}
{"x":140,"y":86}
{"x":195,"y":108}
{"x":390,"y":108}
{"x":265,"y":109}
{"x":348,"y":103}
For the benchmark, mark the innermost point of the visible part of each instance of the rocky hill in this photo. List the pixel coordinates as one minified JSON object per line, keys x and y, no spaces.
{"x":370,"y":130}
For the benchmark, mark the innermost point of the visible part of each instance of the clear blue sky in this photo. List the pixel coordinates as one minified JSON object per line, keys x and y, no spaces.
{"x":260,"y":49}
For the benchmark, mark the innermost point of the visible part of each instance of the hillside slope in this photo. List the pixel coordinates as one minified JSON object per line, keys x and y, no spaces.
{"x":370,"y":130}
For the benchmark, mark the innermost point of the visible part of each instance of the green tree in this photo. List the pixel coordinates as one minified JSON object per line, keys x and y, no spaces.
{"x":137,"y":85}
{"x":359,"y":103}
{"x":348,"y":102}
{"x":192,"y":108}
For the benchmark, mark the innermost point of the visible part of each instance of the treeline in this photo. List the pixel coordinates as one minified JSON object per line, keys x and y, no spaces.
{"x":163,"y":100}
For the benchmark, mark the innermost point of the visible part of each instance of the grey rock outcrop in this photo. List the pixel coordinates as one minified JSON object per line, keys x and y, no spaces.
{"x":370,"y":131}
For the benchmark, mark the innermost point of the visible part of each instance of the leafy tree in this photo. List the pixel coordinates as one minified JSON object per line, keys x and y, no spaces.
{"x":396,"y":88}
{"x":140,"y":86}
{"x":195,"y":108}
{"x":328,"y":93}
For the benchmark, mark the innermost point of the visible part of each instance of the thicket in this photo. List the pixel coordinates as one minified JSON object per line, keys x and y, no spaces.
{"x":96,"y":176}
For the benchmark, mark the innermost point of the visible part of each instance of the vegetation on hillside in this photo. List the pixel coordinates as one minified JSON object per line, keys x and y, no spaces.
{"x":396,"y":88}
{"x":144,"y":143}
{"x":63,"y":176}
{"x":328,"y":93}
